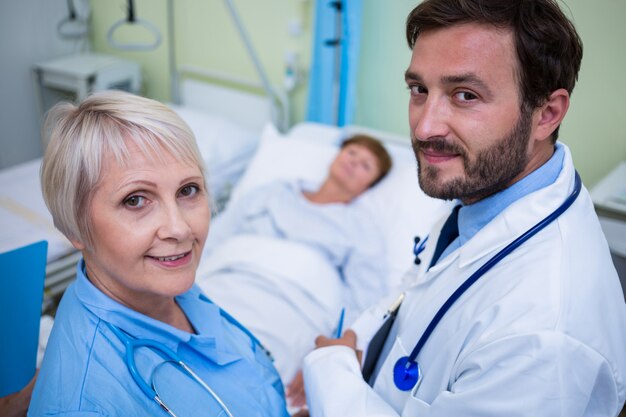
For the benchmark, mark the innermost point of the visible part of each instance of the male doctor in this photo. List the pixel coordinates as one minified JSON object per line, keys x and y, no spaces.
{"x":540,"y":328}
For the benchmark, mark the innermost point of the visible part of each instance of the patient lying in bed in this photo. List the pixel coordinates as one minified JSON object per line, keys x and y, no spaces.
{"x":286,"y":257}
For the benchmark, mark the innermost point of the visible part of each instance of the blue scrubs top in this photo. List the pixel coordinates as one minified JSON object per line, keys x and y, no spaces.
{"x":84,"y":372}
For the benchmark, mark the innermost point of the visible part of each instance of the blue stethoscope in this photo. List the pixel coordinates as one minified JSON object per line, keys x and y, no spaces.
{"x":169,"y":356}
{"x":406,"y":372}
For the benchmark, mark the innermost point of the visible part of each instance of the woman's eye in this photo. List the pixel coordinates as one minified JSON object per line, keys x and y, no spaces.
{"x":135,"y":201}
{"x":188,"y":190}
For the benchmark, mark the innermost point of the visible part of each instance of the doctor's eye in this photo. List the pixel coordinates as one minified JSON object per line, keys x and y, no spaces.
{"x":465,"y":96}
{"x":135,"y":201}
{"x":417,"y":89}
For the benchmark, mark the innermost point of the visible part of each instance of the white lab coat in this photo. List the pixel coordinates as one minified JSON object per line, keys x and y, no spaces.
{"x":543,"y":333}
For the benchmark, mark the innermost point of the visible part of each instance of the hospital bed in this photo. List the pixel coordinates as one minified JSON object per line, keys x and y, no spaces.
{"x":227,"y":138}
{"x":289,"y":297}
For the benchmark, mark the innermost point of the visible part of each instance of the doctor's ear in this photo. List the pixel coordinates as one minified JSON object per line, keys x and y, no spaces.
{"x":549,"y":116}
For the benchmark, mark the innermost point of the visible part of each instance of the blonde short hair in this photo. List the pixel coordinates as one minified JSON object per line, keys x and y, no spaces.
{"x":79,"y":138}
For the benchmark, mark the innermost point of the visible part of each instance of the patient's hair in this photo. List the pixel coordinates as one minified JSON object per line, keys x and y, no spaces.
{"x":549,"y":50}
{"x":375,"y":147}
{"x":79,"y":139}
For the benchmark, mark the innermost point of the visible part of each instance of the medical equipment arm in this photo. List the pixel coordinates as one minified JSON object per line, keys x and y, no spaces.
{"x":280,"y":98}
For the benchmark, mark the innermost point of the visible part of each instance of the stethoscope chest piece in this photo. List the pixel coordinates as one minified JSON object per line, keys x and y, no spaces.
{"x":406,"y":374}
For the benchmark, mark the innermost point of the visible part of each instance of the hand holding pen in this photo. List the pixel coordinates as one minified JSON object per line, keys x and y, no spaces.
{"x":348,"y":338}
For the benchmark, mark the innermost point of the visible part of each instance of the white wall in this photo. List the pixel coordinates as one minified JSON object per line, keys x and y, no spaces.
{"x":27,"y":35}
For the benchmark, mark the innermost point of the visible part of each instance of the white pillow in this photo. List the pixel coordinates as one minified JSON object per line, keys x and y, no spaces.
{"x":219,"y":140}
{"x":397,"y":202}
{"x":280,"y":157}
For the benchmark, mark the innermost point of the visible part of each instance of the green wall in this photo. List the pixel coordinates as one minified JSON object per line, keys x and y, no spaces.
{"x":205,"y":36}
{"x":595,"y":128}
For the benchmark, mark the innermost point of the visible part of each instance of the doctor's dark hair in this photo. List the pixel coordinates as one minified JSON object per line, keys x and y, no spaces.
{"x":80,"y":138}
{"x":375,"y":147}
{"x":548,"y":48}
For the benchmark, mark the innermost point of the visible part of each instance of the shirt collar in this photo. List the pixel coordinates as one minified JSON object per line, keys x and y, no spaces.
{"x":203,"y":314}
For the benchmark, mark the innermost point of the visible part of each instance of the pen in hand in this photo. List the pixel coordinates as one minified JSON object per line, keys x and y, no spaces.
{"x":340,"y":324}
{"x":348,"y":339}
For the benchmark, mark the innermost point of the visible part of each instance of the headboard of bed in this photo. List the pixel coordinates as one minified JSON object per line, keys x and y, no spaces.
{"x":232,"y":99}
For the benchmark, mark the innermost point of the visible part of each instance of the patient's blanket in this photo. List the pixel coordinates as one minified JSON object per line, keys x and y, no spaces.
{"x":347,"y":235}
{"x":285,"y":292}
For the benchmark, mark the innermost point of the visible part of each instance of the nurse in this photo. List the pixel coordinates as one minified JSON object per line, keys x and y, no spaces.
{"x":501,"y":318}
{"x":124,"y":181}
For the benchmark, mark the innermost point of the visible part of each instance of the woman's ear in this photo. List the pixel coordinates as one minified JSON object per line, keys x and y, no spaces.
{"x":77,"y":244}
{"x":549,"y":116}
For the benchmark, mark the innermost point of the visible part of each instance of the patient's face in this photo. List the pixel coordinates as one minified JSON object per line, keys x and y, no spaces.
{"x":355,"y":168}
{"x":149,"y":220}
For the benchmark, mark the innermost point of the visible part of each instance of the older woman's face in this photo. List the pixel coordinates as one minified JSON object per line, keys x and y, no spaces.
{"x":149,"y":221}
{"x":355,"y":168}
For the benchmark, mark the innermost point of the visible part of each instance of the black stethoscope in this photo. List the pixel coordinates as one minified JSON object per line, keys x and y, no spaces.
{"x":406,"y":372}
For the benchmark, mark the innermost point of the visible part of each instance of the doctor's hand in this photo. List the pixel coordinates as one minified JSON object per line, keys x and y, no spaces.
{"x":347,"y":339}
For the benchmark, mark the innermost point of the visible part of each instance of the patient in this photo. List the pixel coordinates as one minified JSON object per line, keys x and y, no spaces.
{"x":287,"y":256}
{"x":124,"y":181}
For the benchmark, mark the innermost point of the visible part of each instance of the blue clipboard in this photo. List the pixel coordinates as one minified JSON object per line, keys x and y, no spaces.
{"x":22,"y":274}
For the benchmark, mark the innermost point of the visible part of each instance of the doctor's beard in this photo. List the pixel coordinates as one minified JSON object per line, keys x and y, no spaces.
{"x":489,"y":171}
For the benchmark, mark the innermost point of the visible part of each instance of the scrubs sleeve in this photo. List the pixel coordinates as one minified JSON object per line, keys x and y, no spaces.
{"x":335,"y":387}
